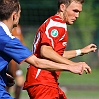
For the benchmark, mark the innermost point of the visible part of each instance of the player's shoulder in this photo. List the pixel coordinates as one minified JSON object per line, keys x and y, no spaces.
{"x":1,"y":30}
{"x":56,"y":18}
{"x":4,"y":35}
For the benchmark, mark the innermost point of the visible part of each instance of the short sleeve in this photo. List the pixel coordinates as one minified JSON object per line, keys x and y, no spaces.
{"x":16,"y":50}
{"x":51,"y":36}
{"x":3,"y":39}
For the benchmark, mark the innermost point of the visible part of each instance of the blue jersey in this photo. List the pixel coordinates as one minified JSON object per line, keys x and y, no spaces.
{"x":10,"y":48}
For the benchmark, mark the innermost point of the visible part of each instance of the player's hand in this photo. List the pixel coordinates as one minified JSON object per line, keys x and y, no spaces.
{"x":88,"y":49}
{"x":80,"y":68}
{"x":86,"y":68}
{"x":10,"y":80}
{"x":76,"y":69}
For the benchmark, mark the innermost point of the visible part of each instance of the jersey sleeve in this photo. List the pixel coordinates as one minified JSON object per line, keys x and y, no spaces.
{"x":3,"y":39}
{"x":12,"y":47}
{"x":52,"y":36}
{"x":16,"y":50}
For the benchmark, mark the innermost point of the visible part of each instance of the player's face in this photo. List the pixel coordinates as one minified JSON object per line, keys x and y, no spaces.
{"x":71,"y":13}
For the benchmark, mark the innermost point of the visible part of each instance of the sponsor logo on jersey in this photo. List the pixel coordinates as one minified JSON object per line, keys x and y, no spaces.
{"x":64,"y":43}
{"x":54,"y":33}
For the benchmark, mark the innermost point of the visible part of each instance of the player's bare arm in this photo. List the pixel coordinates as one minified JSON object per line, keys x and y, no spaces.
{"x":85,"y":50}
{"x":46,"y":64}
{"x":69,"y":54}
{"x":49,"y":53}
{"x":49,"y":65}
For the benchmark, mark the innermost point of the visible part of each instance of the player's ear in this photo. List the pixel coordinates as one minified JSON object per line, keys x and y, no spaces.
{"x":14,"y":16}
{"x":62,"y":7}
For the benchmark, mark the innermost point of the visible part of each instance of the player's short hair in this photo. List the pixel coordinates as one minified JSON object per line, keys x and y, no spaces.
{"x":7,"y":7}
{"x":68,"y":2}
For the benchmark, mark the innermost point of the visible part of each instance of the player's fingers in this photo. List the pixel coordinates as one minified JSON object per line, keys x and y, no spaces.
{"x":93,"y":46}
{"x":93,"y":49}
{"x":87,"y":70}
{"x":82,"y":70}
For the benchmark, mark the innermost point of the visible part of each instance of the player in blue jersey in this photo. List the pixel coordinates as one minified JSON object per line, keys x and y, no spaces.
{"x":11,"y":48}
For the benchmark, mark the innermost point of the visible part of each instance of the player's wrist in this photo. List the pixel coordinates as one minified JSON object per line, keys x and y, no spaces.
{"x":78,"y":52}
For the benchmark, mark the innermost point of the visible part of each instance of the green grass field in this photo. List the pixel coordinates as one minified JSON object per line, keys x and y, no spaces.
{"x":85,"y":79}
{"x":73,"y":95}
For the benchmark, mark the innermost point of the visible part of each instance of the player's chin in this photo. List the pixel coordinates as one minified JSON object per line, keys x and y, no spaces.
{"x":70,"y":23}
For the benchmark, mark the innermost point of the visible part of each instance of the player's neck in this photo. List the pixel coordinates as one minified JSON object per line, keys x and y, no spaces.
{"x":8,"y":24}
{"x":60,"y":14}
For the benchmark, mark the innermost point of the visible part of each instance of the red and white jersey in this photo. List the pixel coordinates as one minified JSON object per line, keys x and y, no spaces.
{"x":52,"y":32}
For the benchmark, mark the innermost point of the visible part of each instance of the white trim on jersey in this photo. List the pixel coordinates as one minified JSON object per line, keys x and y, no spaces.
{"x":38,"y":72}
{"x":6,"y":30}
{"x":57,"y":24}
{"x":62,"y":37}
{"x":35,"y":43}
{"x":34,"y":49}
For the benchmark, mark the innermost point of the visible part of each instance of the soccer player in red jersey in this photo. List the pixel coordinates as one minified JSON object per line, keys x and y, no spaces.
{"x":50,"y":43}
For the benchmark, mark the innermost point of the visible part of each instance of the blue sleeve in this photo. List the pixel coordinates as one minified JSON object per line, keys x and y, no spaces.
{"x":16,"y":50}
{"x":12,"y":47}
{"x":4,"y":38}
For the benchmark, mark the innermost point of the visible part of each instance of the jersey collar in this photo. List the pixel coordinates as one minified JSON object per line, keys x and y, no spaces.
{"x":5,"y":28}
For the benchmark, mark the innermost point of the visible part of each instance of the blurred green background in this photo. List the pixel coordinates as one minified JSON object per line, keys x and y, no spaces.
{"x":83,"y":32}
